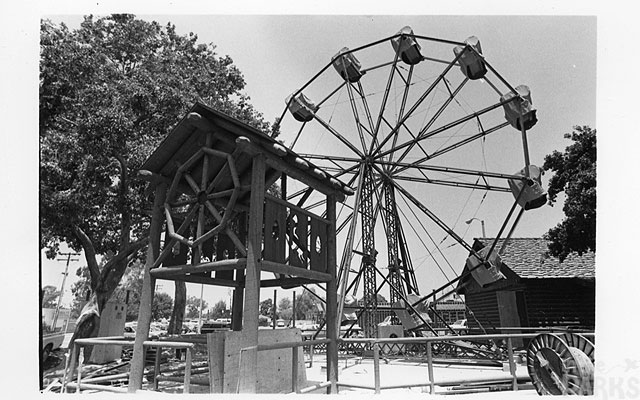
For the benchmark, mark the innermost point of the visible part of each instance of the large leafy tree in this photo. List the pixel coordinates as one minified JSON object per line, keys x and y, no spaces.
{"x":109,"y":92}
{"x":162,"y":306}
{"x":193,"y":306}
{"x":266,"y":307}
{"x":306,"y":303}
{"x":574,"y":173}
{"x":219,"y":310}
{"x":50,"y":295}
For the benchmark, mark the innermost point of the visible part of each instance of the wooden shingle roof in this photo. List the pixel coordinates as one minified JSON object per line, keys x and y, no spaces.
{"x":528,"y":258}
{"x":188,"y":137}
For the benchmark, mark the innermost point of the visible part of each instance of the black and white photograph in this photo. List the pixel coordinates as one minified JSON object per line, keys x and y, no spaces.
{"x":265,"y":201}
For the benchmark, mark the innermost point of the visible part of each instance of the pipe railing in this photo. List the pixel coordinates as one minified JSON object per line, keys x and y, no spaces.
{"x":78,"y":354}
{"x":375,"y":344}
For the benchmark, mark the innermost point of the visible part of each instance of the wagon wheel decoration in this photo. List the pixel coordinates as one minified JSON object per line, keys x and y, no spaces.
{"x":200,"y":204}
{"x":379,"y":116}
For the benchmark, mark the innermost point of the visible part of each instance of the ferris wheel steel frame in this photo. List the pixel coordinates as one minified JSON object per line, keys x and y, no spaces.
{"x":377,"y":170}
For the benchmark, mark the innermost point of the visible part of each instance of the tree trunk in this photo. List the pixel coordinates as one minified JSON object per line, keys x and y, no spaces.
{"x":179,"y":306}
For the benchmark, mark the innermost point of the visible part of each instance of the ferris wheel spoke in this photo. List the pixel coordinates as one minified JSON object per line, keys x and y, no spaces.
{"x":432,"y":120}
{"x":403,"y":103}
{"x":470,"y":139}
{"x":467,"y":185}
{"x":450,"y":170}
{"x":365,"y":105}
{"x":426,"y":232}
{"x":338,"y":135}
{"x":295,"y":140}
{"x":432,"y":216}
{"x":385,"y":98}
{"x":415,"y":106}
{"x":305,"y":193}
{"x":449,"y":148}
{"x":419,"y":145}
{"x":347,"y":254}
{"x":356,"y":116}
{"x":408,"y":273}
{"x":446,"y":127}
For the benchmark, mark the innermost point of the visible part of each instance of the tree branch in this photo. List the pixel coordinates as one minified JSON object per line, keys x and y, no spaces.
{"x":89,"y":254}
{"x":124,"y":254}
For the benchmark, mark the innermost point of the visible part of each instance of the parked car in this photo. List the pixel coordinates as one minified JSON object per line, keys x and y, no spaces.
{"x":130,"y":330}
{"x":50,"y":343}
{"x":460,"y":326}
{"x":216,"y":325}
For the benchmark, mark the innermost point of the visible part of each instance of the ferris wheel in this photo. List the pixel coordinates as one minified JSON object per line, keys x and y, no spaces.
{"x":419,"y":126}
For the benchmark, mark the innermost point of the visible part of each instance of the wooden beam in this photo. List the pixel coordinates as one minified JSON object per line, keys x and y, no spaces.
{"x":238,"y":302}
{"x":286,"y":283}
{"x":204,"y":280}
{"x":222,"y":265}
{"x":294,"y":271}
{"x":332,"y":297}
{"x":248,"y":372}
{"x":148,"y":286}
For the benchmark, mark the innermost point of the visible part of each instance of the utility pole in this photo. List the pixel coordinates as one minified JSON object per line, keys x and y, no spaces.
{"x":64,"y":279}
{"x":200,"y":313}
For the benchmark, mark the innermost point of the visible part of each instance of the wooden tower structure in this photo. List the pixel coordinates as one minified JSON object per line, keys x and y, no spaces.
{"x":214,"y":223}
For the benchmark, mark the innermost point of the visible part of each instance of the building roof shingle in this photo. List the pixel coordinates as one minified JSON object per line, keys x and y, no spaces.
{"x":528,"y":258}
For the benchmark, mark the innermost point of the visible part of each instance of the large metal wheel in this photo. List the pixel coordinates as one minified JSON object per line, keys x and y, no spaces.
{"x":421,"y":127}
{"x":557,"y":368}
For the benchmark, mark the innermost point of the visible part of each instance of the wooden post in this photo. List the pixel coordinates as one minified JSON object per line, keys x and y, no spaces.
{"x":376,"y":366}
{"x":432,"y":386}
{"x":187,"y":371}
{"x":72,"y":363}
{"x":66,"y":367}
{"x":294,"y":370}
{"x":248,"y":370}
{"x":80,"y":361}
{"x":273,"y":314}
{"x":512,"y":364}
{"x":332,"y":298}
{"x":146,"y":297}
{"x":215,"y":355}
{"x":156,"y":368}
{"x":294,"y":310}
{"x":238,"y":300}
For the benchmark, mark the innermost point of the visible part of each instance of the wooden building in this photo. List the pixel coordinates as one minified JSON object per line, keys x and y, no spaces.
{"x":214,"y":223}
{"x":539,"y":290}
{"x":448,"y":311}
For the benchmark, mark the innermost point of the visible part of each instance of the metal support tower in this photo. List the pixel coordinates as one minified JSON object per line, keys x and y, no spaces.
{"x":370,"y":314}
{"x":391,"y":218}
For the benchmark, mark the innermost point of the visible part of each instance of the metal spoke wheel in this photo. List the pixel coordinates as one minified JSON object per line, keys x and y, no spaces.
{"x":421,"y":127}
